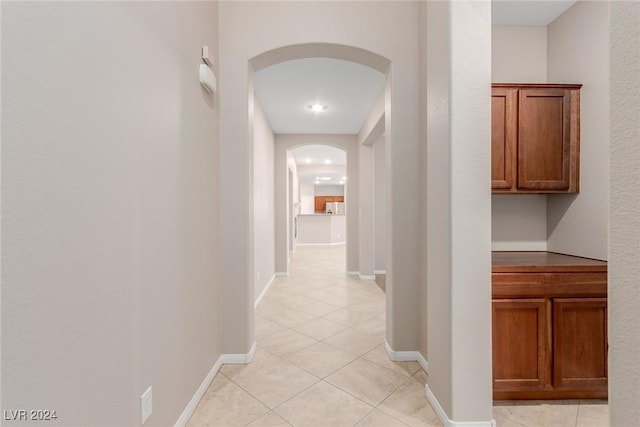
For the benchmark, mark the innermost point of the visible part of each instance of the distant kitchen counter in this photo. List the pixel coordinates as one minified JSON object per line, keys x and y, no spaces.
{"x":321,"y":228}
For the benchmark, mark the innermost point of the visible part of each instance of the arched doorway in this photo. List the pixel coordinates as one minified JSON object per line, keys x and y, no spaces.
{"x":401,"y":169}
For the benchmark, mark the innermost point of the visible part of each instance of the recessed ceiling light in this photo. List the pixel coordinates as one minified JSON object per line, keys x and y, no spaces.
{"x":325,"y":178}
{"x":344,"y":178}
{"x":317,"y":108}
{"x":317,"y":182}
{"x":308,"y":160}
{"x":341,"y":182}
{"x":327,"y":162}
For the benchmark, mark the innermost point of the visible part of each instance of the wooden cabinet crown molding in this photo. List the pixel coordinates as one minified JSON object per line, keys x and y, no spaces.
{"x":535,"y":138}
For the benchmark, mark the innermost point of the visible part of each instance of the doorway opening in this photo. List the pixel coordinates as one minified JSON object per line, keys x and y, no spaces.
{"x":317,"y":199}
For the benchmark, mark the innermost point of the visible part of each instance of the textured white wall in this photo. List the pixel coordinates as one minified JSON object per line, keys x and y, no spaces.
{"x":459,"y":209}
{"x":578,"y":53}
{"x":518,"y":222}
{"x":624,"y":205}
{"x":380,"y":204}
{"x":263,"y":204}
{"x":519,"y":55}
{"x":109,"y":209}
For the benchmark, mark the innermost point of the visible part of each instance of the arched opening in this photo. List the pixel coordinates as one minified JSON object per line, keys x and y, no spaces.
{"x":360,"y":227}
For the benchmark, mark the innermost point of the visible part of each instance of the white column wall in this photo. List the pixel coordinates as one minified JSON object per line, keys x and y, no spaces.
{"x":624,"y":205}
{"x":459,"y":210}
{"x":366,"y":213}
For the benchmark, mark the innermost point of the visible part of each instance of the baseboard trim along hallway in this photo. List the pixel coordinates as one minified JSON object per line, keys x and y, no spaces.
{"x":444,"y":419}
{"x":231,"y":359}
{"x":264,"y":291}
{"x":406,"y":356}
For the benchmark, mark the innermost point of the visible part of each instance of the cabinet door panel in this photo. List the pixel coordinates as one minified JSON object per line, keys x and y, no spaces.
{"x":544,"y":137}
{"x":521,"y":344}
{"x":503,"y":137}
{"x":580,"y":343}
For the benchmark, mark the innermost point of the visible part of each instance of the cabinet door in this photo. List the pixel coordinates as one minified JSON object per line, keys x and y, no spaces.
{"x":547,"y":139}
{"x":580,"y":343}
{"x":503,"y":137}
{"x":521,"y":345}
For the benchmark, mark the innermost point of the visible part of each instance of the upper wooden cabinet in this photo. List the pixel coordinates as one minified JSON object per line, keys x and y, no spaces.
{"x":535,"y":138}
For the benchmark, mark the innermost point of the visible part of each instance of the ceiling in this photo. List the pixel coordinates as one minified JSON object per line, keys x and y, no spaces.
{"x":349,"y":90}
{"x":286,"y":90}
{"x":320,"y":164}
{"x":527,"y":12}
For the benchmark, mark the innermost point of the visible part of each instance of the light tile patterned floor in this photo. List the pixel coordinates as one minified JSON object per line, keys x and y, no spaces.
{"x":320,"y":361}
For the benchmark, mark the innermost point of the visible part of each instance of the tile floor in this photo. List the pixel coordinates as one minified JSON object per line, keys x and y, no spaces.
{"x":320,"y":361}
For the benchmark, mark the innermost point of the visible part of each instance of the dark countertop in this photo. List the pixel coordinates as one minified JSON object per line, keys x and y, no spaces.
{"x":540,"y":261}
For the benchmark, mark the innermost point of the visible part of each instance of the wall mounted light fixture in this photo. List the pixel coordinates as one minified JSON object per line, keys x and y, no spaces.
{"x":207,"y":78}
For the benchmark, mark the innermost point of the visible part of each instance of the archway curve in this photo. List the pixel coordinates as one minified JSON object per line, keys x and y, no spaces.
{"x":320,"y":50}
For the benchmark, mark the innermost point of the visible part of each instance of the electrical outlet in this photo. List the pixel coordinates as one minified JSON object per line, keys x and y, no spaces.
{"x":146,"y":405}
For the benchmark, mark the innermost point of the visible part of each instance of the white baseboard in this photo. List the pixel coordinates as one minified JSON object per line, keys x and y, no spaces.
{"x":322,"y":244}
{"x":364,"y":277}
{"x":352,"y":273}
{"x":406,"y":356}
{"x":444,"y":419}
{"x":379,"y":271}
{"x":193,"y":403}
{"x":224,"y":358}
{"x":264,"y":291}
{"x":282,"y":274}
{"x":239,"y":359}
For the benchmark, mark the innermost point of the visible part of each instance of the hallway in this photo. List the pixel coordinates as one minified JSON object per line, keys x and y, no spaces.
{"x":320,"y":361}
{"x":320,"y":357}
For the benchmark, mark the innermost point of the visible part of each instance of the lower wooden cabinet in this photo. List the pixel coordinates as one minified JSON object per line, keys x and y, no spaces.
{"x":521,"y":345}
{"x":550,"y":332}
{"x":580,"y":344}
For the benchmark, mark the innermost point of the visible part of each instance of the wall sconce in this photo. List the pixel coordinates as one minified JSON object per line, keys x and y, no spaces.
{"x":207,"y":78}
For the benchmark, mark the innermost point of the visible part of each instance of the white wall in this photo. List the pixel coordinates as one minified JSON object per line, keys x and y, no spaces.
{"x":518,"y":222}
{"x":109,"y":209}
{"x":292,"y":203}
{"x":458,"y":210}
{"x":307,"y":199}
{"x":321,"y":229}
{"x":578,"y":53}
{"x":624,"y":205}
{"x":519,"y":55}
{"x":380,"y":204}
{"x":329,"y":190}
{"x":263,"y":205}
